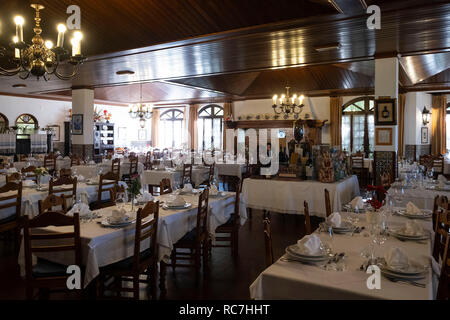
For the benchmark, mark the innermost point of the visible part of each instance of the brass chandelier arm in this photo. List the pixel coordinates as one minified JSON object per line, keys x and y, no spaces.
{"x":61,"y":76}
{"x":9,"y":73}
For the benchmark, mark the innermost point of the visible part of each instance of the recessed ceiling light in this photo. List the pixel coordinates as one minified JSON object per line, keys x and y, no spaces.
{"x":328,"y":47}
{"x":122,"y":72}
{"x":19,"y":85}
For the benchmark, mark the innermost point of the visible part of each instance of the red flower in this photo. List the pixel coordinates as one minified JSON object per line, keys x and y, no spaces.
{"x":375,"y":204}
{"x":376,"y":188}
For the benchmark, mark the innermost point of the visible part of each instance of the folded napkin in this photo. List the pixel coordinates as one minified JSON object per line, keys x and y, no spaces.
{"x":82,"y":209}
{"x":310,"y":244}
{"x":80,"y":178}
{"x":145,"y":197}
{"x":357,"y":202}
{"x":59,"y":158}
{"x":117,"y":215}
{"x":187,"y":187}
{"x":213,"y":190}
{"x":11,"y":170}
{"x":335,"y":219}
{"x":177,"y":201}
{"x":396,"y":258}
{"x":412,"y":228}
{"x":412,"y":209}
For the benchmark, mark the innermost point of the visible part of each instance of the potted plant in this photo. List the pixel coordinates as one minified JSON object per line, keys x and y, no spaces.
{"x":134,"y":189}
{"x":39,"y":172}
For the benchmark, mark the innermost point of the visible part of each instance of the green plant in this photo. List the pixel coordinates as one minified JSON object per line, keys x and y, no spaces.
{"x":135,"y":187}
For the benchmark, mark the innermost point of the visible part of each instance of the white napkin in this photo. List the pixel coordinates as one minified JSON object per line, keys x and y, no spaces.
{"x":310,"y":244}
{"x":357,"y":202}
{"x":187,"y":187}
{"x":59,"y":158}
{"x":412,"y":209}
{"x":213,"y":190}
{"x":396,"y":258}
{"x":412,"y":228}
{"x":335,"y":219}
{"x":117,"y":215}
{"x":145,"y":197}
{"x":11,"y":170}
{"x":177,"y":201}
{"x":80,"y":178}
{"x":82,"y":208}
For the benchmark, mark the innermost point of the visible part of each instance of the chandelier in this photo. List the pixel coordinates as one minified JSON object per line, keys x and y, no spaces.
{"x":141,"y":111}
{"x":41,"y":58}
{"x":287,"y":104}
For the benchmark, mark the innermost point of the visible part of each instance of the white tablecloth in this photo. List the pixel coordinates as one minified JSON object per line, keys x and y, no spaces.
{"x":293,"y":280}
{"x":154,"y":177}
{"x":422,"y":198}
{"x":103,"y":246}
{"x":60,"y":164}
{"x":230,"y":169}
{"x":288,"y":196}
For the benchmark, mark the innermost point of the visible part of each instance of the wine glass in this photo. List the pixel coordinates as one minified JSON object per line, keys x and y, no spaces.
{"x":120,"y":200}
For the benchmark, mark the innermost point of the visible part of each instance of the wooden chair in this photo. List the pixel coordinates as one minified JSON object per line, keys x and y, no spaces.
{"x":29,"y":173}
{"x":231,"y":227}
{"x":46,"y":274}
{"x":52,"y":201}
{"x":115,"y":167}
{"x":50,"y":163}
{"x":440,"y":205}
{"x":307,"y":219}
{"x":196,"y":241}
{"x":438,"y":165}
{"x":142,"y":262}
{"x":133,"y":170}
{"x":268,"y":243}
{"x":327,"y":203}
{"x":114,"y":191}
{"x":13,"y":205}
{"x":156,"y":154}
{"x":107,"y":181}
{"x":357,"y":165}
{"x":13,"y":177}
{"x":148,"y":161}
{"x":165,"y":187}
{"x":65,"y":172}
{"x":207,"y":182}
{"x":187,"y":173}
{"x":165,"y":153}
{"x":228,"y":182}
{"x":441,"y":254}
{"x":67,"y":186}
{"x":75,"y":161}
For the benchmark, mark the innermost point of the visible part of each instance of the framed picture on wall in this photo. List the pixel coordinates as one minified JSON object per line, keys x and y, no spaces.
{"x":142,"y":134}
{"x":385,"y":112}
{"x":77,"y":124}
{"x":56,"y":132}
{"x":383,"y":136}
{"x":424,"y":135}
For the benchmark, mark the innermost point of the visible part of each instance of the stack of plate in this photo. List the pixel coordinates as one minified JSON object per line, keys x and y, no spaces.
{"x":294,"y":252}
{"x":344,"y":227}
{"x":110,"y":224}
{"x":348,"y":207}
{"x":399,"y":233}
{"x":414,"y":271}
{"x":425,"y":214}
{"x":170,"y":206}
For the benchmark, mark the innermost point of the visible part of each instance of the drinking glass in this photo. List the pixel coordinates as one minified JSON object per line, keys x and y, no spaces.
{"x":120,"y":200}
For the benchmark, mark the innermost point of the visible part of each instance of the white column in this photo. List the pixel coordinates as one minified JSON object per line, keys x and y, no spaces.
{"x":83,"y":103}
{"x":386,"y":85}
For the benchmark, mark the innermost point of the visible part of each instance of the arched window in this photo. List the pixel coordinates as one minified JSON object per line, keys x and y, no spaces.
{"x":171,"y":128}
{"x":4,"y":123}
{"x":358,"y":126}
{"x":26,"y":124}
{"x":210,"y":127}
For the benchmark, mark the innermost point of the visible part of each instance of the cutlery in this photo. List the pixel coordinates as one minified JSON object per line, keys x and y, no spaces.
{"x":414,"y":283}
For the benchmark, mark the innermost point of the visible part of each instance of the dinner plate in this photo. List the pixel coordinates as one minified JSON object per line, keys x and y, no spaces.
{"x":295,"y":250}
{"x":413,"y":269}
{"x":344,"y":227}
{"x":394,"y":275}
{"x":349,"y":207}
{"x":107,"y":223}
{"x":424,"y":215}
{"x":398,"y":234}
{"x":185,"y":206}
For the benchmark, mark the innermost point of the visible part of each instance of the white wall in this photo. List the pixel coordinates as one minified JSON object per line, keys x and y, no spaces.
{"x":47,"y":112}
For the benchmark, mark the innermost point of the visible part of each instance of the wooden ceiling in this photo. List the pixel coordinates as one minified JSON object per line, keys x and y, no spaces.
{"x":271,"y":47}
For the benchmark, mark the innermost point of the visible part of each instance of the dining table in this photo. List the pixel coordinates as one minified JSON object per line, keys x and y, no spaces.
{"x":289,"y":279}
{"x":288,"y":196}
{"x":102,"y":246}
{"x":154,"y":177}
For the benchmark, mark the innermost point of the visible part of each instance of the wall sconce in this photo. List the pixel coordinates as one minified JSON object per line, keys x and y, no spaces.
{"x":426,"y":114}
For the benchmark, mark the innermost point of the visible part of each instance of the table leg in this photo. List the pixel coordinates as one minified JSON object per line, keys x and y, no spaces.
{"x":162,"y":280}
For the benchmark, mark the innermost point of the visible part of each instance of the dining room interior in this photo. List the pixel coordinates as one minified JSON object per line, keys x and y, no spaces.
{"x":224,"y":150}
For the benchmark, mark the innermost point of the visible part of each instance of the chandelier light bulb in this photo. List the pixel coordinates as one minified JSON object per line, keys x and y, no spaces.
{"x":15,"y":39}
{"x":61,"y":28}
{"x":275,"y":97}
{"x":18,"y":20}
{"x":49,"y":44}
{"x":78,"y":35}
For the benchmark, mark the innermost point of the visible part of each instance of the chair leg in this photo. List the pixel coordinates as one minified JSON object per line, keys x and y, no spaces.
{"x":173,"y":259}
{"x":153,"y":280}
{"x":162,"y":280}
{"x":205,"y":257}
{"x":136,"y":287}
{"x":17,"y":239}
{"x":235,"y":244}
{"x":197,"y":261}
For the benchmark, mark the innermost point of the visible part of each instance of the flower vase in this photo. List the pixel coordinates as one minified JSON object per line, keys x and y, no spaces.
{"x":38,"y":181}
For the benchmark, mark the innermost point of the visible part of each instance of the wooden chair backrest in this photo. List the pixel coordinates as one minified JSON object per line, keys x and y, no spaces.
{"x":440,"y":205}
{"x":26,"y":171}
{"x":440,"y":253}
{"x":50,"y":162}
{"x":104,"y":186}
{"x":7,"y":200}
{"x":165,"y":186}
{"x":52,"y":201}
{"x":327,"y":203}
{"x":237,"y":217}
{"x":156,"y":153}
{"x":13,"y":177}
{"x":115,"y":166}
{"x":438,"y":164}
{"x":75,"y":161}
{"x":65,"y":172}
{"x":146,"y":230}
{"x":202,"y":215}
{"x":44,"y":220}
{"x":63,"y":181}
{"x":148,"y":161}
{"x":114,"y":191}
{"x":307,"y":219}
{"x":187,"y":173}
{"x":357,"y":160}
{"x":268,"y":243}
{"x":133,"y":164}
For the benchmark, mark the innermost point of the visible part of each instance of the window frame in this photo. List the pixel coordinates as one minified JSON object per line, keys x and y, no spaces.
{"x":366,"y":112}
{"x":175,"y":113}
{"x":213,"y":115}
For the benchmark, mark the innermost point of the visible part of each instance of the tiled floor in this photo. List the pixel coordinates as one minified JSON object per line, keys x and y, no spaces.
{"x":228,"y":279}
